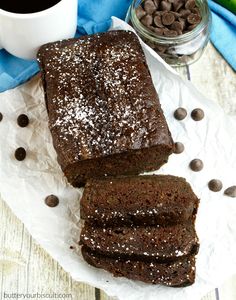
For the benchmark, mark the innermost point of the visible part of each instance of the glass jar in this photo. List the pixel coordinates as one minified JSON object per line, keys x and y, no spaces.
{"x":179,"y":50}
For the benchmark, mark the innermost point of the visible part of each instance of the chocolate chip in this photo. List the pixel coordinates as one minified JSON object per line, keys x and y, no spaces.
{"x":147,"y":20}
{"x":177,"y":5}
{"x":182,"y":22}
{"x":197,"y":114}
{"x":231,"y":191}
{"x":194,"y":19}
{"x":185,"y":13}
{"x":20,"y":154}
{"x":190,"y":4}
{"x":158,"y":22}
{"x":51,"y":200}
{"x":196,"y":165}
{"x":176,"y":14}
{"x":215,"y":185}
{"x":180,"y":113}
{"x":159,"y":31}
{"x":170,"y":33}
{"x":167,"y":18}
{"x":177,"y":26}
{"x":165,"y":5}
{"x":150,"y":44}
{"x":22,"y":120}
{"x":156,"y":2}
{"x":140,"y":12}
{"x":191,"y":27}
{"x":1,"y":117}
{"x":72,"y":247}
{"x":161,"y":49}
{"x":149,"y":7}
{"x":178,"y":148}
{"x":195,"y":10}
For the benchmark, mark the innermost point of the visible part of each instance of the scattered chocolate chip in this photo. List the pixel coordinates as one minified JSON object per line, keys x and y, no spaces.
{"x":140,"y":12}
{"x":196,"y":165}
{"x":185,"y":13}
{"x":1,"y":117}
{"x":197,"y":114}
{"x":147,"y":20}
{"x":158,"y":22}
{"x":149,"y":7}
{"x":180,"y":113}
{"x":190,"y":4}
{"x":231,"y":191}
{"x":167,"y":18}
{"x":72,"y":247}
{"x":20,"y":154}
{"x":194,"y":19}
{"x":165,"y":5}
{"x":51,"y":200}
{"x":23,"y":120}
{"x":178,"y":148}
{"x":215,"y":185}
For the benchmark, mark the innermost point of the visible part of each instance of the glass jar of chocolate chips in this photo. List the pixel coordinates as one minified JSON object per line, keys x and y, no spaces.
{"x":178,"y":30}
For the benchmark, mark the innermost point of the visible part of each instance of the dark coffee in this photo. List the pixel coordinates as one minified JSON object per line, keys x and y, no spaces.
{"x":26,"y":6}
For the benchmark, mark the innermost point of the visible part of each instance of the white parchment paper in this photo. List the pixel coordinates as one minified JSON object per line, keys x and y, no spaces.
{"x":24,"y":185}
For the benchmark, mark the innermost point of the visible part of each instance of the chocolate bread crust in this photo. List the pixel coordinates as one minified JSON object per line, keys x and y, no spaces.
{"x":142,"y":243}
{"x":138,"y":200}
{"x":178,"y":273}
{"x":101,"y":103}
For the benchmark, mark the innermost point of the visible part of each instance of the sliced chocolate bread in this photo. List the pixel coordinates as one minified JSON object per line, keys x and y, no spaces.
{"x":141,"y":227}
{"x":178,"y":273}
{"x":138,"y":200}
{"x":146,"y":243}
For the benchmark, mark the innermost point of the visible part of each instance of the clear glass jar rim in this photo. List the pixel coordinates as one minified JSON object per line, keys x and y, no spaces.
{"x":206,"y":20}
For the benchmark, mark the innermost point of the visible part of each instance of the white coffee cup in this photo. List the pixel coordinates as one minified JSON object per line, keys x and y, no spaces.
{"x":23,"y":34}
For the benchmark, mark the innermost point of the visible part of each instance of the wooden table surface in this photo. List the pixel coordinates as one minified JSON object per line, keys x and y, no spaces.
{"x":25,"y":268}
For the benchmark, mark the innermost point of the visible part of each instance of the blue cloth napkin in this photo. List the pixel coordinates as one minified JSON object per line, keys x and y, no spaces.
{"x":223,"y":32}
{"x":94,"y":16}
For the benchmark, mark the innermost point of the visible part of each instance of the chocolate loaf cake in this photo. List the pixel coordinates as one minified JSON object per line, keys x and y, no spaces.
{"x":139,"y":200}
{"x":178,"y":273}
{"x":104,"y":113}
{"x":146,"y":243}
{"x":141,"y":227}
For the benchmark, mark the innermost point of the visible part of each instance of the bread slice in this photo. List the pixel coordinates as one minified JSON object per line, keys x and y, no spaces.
{"x":178,"y":273}
{"x":145,"y":243}
{"x":138,"y":200}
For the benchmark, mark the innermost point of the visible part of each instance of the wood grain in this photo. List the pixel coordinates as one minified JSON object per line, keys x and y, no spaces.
{"x":26,"y":268}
